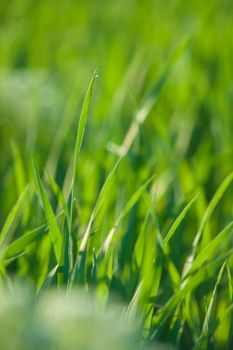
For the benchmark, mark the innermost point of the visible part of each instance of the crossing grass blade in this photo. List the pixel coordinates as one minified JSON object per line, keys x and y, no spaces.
{"x":179,"y":219}
{"x":214,"y":245}
{"x":19,"y":245}
{"x":132,"y":201}
{"x":100,"y":200}
{"x":13,"y":215}
{"x":209,"y":210}
{"x":50,"y":216}
{"x":203,"y":341}
{"x":58,"y":193}
{"x":185,"y":289}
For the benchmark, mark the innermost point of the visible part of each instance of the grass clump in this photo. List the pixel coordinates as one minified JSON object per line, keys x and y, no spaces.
{"x":126,"y":196}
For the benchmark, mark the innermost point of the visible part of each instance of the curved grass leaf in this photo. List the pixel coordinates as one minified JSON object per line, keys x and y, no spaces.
{"x":18,"y":246}
{"x":203,"y":341}
{"x":12,"y":215}
{"x":209,"y":210}
{"x":50,"y":216}
{"x":179,"y":219}
{"x":210,"y":248}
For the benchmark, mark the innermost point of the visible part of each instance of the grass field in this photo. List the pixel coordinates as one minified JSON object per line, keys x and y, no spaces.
{"x":116,"y":171}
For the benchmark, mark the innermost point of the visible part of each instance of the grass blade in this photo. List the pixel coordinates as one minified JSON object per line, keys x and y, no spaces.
{"x":50,"y":216}
{"x":12,"y":215}
{"x":23,"y":241}
{"x":179,"y":219}
{"x":205,"y":329}
{"x":132,"y":201}
{"x":209,"y":210}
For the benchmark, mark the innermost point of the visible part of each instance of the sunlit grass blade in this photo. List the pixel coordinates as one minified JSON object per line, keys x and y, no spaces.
{"x":99,"y":202}
{"x":80,"y":260}
{"x":50,"y":216}
{"x":132,"y":307}
{"x":148,"y":104}
{"x":48,"y":280}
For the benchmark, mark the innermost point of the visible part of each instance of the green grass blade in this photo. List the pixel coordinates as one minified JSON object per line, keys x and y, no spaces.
{"x":20,"y":176}
{"x":50,"y":216}
{"x":99,"y":202}
{"x":209,"y":210}
{"x":179,"y":219}
{"x":185,"y":289}
{"x":19,"y":245}
{"x":210,"y":248}
{"x":80,"y":260}
{"x":230,"y":336}
{"x":82,"y":124}
{"x":13,"y":214}
{"x":205,"y":329}
{"x":48,"y":280}
{"x":130,"y":204}
{"x":58,"y":193}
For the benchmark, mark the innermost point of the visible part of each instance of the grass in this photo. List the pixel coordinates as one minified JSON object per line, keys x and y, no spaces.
{"x":123,"y":192}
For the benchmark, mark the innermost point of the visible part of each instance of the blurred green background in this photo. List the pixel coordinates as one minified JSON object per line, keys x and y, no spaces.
{"x":48,"y":52}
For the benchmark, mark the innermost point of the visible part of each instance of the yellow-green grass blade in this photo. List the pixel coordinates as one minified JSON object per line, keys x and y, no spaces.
{"x":48,"y":280}
{"x":100,"y":200}
{"x":144,"y":111}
